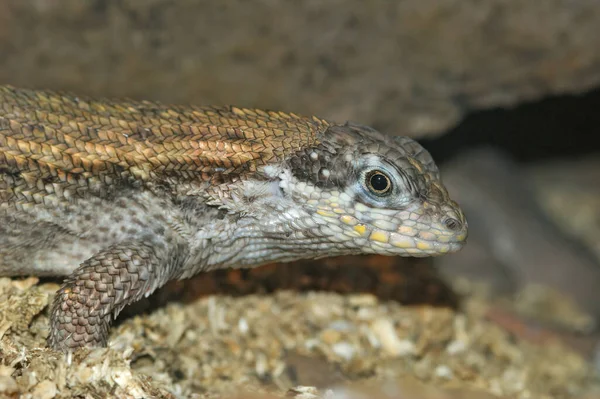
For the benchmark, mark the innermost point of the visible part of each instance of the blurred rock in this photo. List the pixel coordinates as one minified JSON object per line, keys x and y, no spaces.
{"x":513,"y":245}
{"x":568,"y":192}
{"x":407,"y":67}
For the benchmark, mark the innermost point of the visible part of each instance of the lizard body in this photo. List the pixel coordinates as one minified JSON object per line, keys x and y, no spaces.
{"x":123,"y":196}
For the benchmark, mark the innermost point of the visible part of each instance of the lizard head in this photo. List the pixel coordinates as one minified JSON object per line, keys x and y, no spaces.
{"x":366,"y":192}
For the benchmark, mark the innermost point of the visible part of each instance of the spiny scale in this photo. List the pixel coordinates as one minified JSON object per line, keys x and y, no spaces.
{"x":68,"y":141}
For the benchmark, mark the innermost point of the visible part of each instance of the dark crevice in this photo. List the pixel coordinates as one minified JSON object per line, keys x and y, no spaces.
{"x":556,"y":127}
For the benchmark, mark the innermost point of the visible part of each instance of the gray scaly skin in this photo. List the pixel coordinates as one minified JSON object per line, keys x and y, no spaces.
{"x":123,"y":196}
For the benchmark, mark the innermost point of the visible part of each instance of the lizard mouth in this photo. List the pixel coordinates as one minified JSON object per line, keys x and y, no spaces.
{"x":415,"y":246}
{"x":413,"y":242}
{"x":408,"y":238}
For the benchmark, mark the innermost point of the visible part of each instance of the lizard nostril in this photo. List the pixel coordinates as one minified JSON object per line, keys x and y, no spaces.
{"x":452,"y":224}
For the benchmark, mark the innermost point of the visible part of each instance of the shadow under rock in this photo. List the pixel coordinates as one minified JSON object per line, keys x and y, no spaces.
{"x":408,"y":281}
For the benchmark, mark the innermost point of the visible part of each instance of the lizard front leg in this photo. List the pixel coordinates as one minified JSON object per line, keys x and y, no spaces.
{"x":101,"y":286}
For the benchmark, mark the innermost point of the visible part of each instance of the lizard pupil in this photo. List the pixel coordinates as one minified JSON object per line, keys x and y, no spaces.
{"x":379,"y":183}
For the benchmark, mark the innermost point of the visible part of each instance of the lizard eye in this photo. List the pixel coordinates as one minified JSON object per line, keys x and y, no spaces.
{"x":378,"y":182}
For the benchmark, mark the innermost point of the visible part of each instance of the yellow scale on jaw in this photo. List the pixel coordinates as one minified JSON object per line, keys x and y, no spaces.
{"x":326,"y":213}
{"x":349,"y":220}
{"x":424,"y":245}
{"x":360,"y":229}
{"x":334,"y":211}
{"x":379,"y":236}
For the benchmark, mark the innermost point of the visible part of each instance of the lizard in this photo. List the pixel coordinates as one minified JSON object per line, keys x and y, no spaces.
{"x":120,"y":196}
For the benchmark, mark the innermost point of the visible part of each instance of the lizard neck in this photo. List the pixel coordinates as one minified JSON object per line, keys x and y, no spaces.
{"x":282,"y":236}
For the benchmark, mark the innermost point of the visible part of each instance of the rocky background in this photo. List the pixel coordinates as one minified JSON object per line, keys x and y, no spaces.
{"x":407,"y":67}
{"x":519,"y":77}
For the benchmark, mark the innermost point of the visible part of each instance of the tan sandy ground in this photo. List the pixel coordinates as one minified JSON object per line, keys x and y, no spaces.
{"x":220,"y":345}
